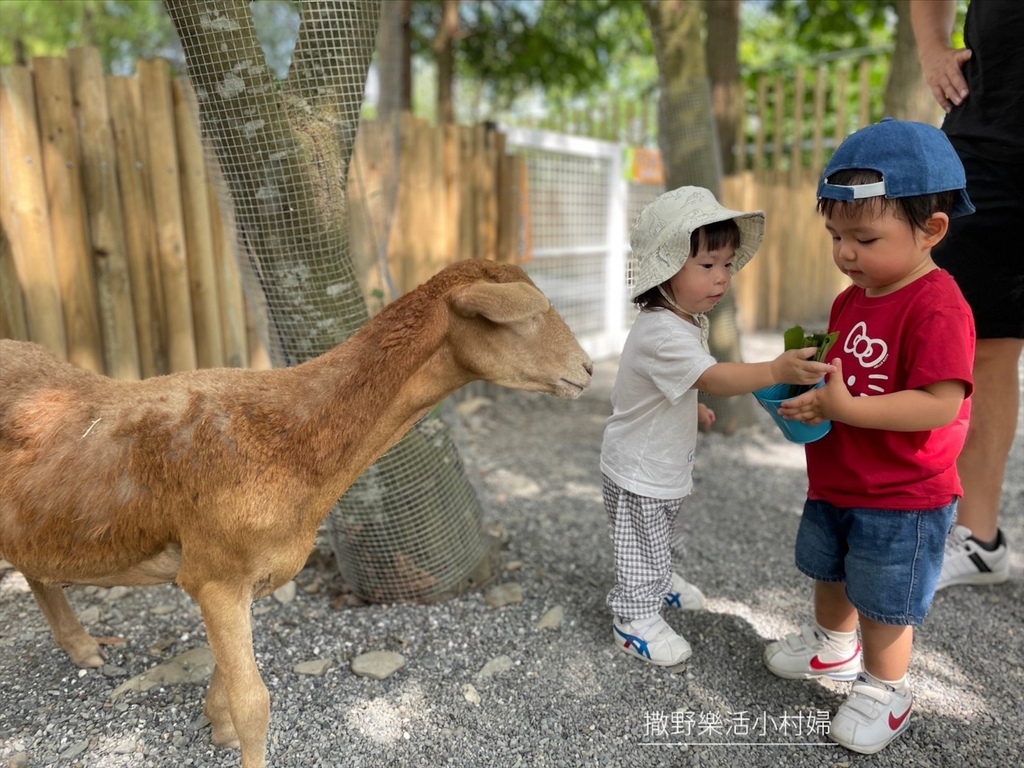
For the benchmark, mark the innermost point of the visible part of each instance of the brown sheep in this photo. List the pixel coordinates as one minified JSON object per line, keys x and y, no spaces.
{"x":218,"y":480}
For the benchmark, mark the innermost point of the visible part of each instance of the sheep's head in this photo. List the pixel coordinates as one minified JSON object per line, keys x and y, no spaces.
{"x":508,"y":333}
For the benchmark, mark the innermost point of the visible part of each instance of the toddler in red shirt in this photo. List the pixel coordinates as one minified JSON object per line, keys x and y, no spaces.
{"x":882,"y":484}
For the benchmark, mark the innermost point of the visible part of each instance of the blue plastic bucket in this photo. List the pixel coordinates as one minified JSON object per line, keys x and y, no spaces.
{"x":772,"y":397}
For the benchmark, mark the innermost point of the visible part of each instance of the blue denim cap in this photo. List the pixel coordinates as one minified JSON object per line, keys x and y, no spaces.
{"x":913,"y":159}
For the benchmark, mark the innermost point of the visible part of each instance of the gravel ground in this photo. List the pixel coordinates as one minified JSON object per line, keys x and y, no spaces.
{"x":487,"y":686}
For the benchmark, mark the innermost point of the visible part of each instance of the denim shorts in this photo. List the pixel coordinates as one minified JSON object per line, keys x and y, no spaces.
{"x":890,"y":559}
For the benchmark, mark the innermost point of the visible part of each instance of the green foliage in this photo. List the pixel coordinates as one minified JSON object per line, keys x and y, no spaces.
{"x":831,"y":25}
{"x":829,"y":39}
{"x":566,"y":49}
{"x":797,"y":338}
{"x":123,"y":30}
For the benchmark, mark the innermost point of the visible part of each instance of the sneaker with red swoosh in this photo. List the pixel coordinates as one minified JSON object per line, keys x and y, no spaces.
{"x":810,"y":653}
{"x":872,"y":716}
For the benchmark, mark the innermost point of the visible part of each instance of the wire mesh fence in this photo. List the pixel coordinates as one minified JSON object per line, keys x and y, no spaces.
{"x":411,"y":527}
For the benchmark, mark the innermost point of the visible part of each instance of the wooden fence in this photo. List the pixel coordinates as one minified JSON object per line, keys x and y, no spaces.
{"x":116,"y":253}
{"x":114,"y":244}
{"x":799,"y":117}
{"x":113,"y":232}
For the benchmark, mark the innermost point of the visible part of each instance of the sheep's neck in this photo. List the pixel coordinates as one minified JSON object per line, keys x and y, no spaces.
{"x":368,"y":397}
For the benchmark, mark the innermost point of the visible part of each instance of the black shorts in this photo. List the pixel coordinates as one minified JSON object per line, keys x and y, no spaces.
{"x":985,"y":251}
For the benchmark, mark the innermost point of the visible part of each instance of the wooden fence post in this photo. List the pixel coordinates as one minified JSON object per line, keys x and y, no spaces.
{"x":133,"y":172}
{"x":103,"y":206}
{"x":197,"y":209}
{"x":62,"y":170}
{"x":25,"y":214}
{"x":154,"y":77}
{"x":229,"y":281}
{"x":12,"y":302}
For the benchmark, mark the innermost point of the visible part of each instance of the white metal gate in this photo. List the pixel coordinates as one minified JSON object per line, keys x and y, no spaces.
{"x":575,"y":233}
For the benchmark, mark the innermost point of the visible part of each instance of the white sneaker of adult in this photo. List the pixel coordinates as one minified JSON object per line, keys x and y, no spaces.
{"x":967,"y":562}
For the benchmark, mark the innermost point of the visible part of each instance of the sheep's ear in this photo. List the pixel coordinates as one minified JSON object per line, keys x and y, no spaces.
{"x":500,"y":302}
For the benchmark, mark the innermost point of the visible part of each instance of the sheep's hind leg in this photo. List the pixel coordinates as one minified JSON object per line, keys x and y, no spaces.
{"x":83,"y":648}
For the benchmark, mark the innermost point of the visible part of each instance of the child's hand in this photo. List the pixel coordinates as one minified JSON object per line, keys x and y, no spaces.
{"x":820,"y":404}
{"x":797,"y":366}
{"x":705,"y":417}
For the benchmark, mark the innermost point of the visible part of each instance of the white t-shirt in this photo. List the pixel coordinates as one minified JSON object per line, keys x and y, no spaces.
{"x":649,"y":439}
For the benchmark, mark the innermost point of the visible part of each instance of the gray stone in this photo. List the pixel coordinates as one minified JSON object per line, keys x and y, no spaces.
{"x":377,"y":665}
{"x":193,"y":666}
{"x":285,"y":593}
{"x":494,"y":667}
{"x":313,"y":668}
{"x":552,"y":619}
{"x":501,"y":595}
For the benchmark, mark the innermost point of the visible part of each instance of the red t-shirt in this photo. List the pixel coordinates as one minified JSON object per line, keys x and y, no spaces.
{"x":916,"y":336}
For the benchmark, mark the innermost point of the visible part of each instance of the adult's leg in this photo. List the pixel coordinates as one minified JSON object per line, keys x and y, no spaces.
{"x":994,"y":412}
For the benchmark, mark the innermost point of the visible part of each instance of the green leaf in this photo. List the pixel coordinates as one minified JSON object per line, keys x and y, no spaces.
{"x":794,"y":338}
{"x":824,"y":342}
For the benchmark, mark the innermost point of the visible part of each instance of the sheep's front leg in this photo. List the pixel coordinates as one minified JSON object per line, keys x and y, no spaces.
{"x":236,"y":679}
{"x":83,"y":648}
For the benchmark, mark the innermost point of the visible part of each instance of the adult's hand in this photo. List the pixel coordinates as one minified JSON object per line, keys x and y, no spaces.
{"x":943,"y":71}
{"x":932,"y":21}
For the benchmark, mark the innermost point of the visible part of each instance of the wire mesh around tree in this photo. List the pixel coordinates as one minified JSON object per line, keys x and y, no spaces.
{"x":411,"y":528}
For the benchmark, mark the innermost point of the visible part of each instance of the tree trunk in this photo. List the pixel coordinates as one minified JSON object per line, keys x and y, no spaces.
{"x":687,"y":137}
{"x":444,"y":50}
{"x":405,"y":9}
{"x":685,"y":127}
{"x":723,"y":21}
{"x":391,"y":47}
{"x":284,"y":154}
{"x":284,"y":151}
{"x":907,"y":95}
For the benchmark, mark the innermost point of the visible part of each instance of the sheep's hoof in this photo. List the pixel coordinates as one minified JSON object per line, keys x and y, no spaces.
{"x":88,"y":660}
{"x":224,"y":733}
{"x":89,"y":655}
{"x":224,"y":736}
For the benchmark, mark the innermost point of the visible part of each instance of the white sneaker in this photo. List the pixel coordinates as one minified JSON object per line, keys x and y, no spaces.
{"x":652,"y":640}
{"x":684,"y":595}
{"x":809,"y":654}
{"x":966,"y":562}
{"x":872,"y":715}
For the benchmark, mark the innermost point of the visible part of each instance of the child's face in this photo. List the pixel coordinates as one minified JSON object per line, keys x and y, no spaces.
{"x":878,"y":251}
{"x":703,"y":279}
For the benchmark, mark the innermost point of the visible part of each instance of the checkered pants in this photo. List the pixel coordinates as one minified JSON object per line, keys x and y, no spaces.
{"x":646,"y":537}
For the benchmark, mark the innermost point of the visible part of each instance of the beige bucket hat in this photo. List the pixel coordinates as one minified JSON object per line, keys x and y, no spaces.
{"x":660,"y":239}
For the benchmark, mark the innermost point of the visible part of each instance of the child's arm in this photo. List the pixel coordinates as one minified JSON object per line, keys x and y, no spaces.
{"x":794,"y":366}
{"x":912,"y":410}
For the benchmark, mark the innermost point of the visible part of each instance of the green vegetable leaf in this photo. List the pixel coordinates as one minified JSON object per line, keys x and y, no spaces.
{"x":824,"y":342}
{"x":794,"y":338}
